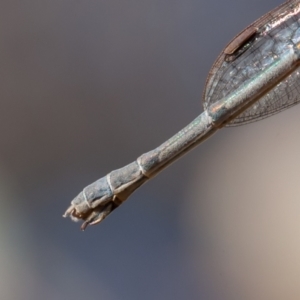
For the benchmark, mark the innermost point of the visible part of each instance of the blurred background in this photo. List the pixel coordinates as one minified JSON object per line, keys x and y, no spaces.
{"x":88,"y":86}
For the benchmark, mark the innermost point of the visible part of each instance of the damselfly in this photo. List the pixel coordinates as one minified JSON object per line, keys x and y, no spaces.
{"x":255,"y":76}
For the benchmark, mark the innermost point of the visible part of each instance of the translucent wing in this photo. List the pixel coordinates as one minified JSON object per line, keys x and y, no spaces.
{"x":253,"y":50}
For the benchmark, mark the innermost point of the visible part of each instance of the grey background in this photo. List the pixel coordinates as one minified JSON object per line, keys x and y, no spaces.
{"x":86,"y":87}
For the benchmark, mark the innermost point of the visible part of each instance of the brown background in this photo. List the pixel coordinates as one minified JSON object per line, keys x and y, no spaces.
{"x":86,"y":87}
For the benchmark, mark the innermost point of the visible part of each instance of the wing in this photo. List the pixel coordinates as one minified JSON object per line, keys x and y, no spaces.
{"x":249,"y":53}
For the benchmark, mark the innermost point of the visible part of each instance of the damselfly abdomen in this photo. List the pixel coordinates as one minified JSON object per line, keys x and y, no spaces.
{"x":255,"y":76}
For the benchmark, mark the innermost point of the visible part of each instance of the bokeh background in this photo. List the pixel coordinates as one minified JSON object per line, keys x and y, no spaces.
{"x":86,"y":87}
